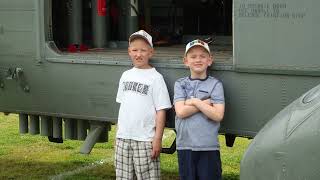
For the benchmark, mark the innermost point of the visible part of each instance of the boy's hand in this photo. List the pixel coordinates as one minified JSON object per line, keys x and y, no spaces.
{"x":156,"y":148}
{"x":188,"y":102}
{"x":193,"y":101}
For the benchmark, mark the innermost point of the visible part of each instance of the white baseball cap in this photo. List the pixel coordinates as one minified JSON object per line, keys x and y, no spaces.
{"x":197,"y":42}
{"x":142,"y":34}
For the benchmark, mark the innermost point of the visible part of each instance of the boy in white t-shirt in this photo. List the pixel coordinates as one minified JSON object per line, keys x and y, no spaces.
{"x":143,"y":98}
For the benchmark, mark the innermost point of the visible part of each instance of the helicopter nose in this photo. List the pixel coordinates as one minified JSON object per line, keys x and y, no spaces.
{"x":287,"y":147}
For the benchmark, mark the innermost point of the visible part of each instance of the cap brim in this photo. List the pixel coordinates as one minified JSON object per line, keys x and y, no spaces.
{"x":135,"y":36}
{"x":195,"y":46}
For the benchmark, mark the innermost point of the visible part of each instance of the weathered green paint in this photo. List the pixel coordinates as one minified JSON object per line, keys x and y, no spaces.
{"x":34,"y":125}
{"x":276,"y":35}
{"x":57,"y":127}
{"x":96,"y":130}
{"x":287,"y":146}
{"x":70,"y":130}
{"x":23,"y":123}
{"x":81,"y":129}
{"x":46,"y":126}
{"x":274,"y":61}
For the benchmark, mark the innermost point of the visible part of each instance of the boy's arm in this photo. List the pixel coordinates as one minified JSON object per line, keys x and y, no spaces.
{"x":185,"y":109}
{"x":157,"y":139}
{"x":215,"y":111}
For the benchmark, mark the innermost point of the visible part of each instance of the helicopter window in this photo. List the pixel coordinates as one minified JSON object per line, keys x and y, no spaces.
{"x":82,"y":26}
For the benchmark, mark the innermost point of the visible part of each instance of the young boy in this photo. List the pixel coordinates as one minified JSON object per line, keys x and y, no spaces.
{"x":143,"y":98}
{"x":199,"y":106}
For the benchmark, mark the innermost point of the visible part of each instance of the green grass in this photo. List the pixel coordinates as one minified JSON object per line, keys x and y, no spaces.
{"x":34,"y":157}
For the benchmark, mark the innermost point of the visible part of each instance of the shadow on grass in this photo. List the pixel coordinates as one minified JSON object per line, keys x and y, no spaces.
{"x":231,"y":176}
{"x":21,"y":169}
{"x":175,"y":176}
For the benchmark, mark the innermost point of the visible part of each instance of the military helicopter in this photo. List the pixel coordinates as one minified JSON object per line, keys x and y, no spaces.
{"x":61,"y":60}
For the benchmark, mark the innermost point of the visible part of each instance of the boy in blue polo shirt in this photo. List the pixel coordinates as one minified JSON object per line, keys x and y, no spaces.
{"x":199,"y":105}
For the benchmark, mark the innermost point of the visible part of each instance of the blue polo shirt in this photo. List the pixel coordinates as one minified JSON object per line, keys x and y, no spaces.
{"x":197,"y":132}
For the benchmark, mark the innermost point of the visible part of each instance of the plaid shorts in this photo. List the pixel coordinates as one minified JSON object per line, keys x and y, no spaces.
{"x":133,"y":160}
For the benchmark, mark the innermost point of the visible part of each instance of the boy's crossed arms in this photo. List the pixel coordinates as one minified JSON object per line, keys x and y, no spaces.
{"x":191,"y":106}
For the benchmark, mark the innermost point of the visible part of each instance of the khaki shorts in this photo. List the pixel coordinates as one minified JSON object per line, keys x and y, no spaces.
{"x":133,"y":160}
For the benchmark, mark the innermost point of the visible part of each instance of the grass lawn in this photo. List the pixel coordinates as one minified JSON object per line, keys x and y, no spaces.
{"x":34,"y":157}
